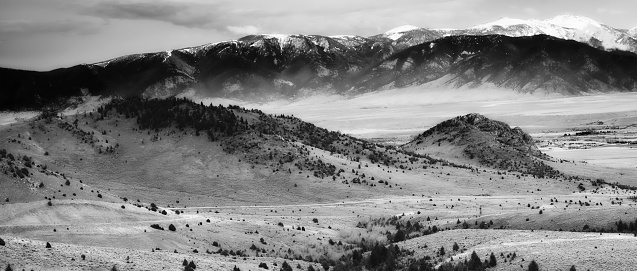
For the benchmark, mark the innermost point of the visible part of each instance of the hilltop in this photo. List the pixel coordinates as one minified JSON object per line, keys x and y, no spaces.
{"x":491,"y":143}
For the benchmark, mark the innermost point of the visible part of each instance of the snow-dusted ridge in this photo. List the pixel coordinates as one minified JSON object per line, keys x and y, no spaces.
{"x":570,"y":27}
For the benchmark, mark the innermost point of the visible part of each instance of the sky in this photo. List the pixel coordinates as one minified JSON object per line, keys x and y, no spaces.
{"x":49,"y":34}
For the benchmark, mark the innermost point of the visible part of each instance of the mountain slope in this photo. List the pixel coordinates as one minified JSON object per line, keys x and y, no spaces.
{"x":526,"y":64}
{"x":488,"y":142}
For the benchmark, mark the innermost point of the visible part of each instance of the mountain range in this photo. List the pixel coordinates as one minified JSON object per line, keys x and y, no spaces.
{"x":567,"y":55}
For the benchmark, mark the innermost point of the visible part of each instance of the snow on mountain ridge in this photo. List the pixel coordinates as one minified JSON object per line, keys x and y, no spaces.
{"x":400,"y":29}
{"x":578,"y":28}
{"x":570,"y":21}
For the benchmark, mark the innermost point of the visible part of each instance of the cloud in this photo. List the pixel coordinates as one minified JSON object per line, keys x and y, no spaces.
{"x":30,"y":28}
{"x":188,"y":14}
{"x":609,"y":11}
{"x":244,"y":30}
{"x":531,"y":11}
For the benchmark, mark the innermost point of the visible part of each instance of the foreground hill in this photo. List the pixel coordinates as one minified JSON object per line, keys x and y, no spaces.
{"x":273,"y":67}
{"x":178,"y":153}
{"x":491,"y":143}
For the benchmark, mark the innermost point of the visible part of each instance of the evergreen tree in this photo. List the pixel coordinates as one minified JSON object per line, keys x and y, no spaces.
{"x":533,"y":266}
{"x":492,"y":261}
{"x":474,"y":262}
{"x":572,"y":268}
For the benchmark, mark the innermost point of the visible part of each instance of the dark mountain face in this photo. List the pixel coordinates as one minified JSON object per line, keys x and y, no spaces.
{"x":525,"y":64}
{"x":270,"y":67}
{"x":491,"y":143}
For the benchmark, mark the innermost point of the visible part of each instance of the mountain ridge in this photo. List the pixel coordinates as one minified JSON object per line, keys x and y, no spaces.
{"x":270,"y":67}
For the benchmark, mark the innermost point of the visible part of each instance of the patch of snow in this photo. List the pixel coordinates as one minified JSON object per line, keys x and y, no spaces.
{"x":280,"y":82}
{"x":88,"y":104}
{"x":11,"y":117}
{"x":403,"y":28}
{"x":168,"y":54}
{"x":503,"y":22}
{"x":576,"y":22}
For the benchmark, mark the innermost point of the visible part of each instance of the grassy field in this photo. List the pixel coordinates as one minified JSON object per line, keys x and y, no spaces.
{"x":220,"y":201}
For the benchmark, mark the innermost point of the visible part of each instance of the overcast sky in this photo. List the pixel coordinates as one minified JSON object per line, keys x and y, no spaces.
{"x":48,"y":34}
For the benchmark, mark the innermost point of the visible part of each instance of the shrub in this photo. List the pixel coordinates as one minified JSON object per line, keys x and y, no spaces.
{"x":2,"y":243}
{"x":533,"y":266}
{"x":315,"y":220}
{"x":48,"y":245}
{"x":99,"y":196}
{"x":263,"y":265}
{"x":156,"y":226}
{"x":49,"y":203}
{"x":67,"y":183}
{"x":172,"y":227}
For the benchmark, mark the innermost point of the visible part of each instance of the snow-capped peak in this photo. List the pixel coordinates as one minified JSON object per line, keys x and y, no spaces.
{"x":579,"y":28}
{"x":401,"y":29}
{"x":633,"y":32}
{"x":398,"y":32}
{"x":570,"y":21}
{"x":503,"y":22}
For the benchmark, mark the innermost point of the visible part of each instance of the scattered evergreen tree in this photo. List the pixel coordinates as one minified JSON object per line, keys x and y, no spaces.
{"x":184,"y":263}
{"x":533,"y":266}
{"x":474,"y":262}
{"x":192,"y":265}
{"x":263,"y":265}
{"x":2,"y":242}
{"x":286,"y":267}
{"x":172,"y":227}
{"x":572,"y":268}
{"x":8,"y":268}
{"x":455,"y":246}
{"x":48,"y":245}
{"x":492,"y":261}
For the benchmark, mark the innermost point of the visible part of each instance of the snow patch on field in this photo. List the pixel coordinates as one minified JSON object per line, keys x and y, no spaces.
{"x":9,"y":117}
